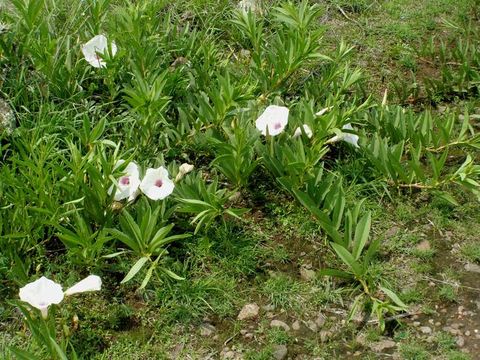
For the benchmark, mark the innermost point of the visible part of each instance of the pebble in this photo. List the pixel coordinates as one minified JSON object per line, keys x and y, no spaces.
{"x":296,"y":325}
{"x":460,"y":341}
{"x":425,"y":329}
{"x":312,"y":325}
{"x":472,"y":268}
{"x":416,"y":323}
{"x":280,"y":324}
{"x":280,"y":352}
{"x":249,"y":311}
{"x":467,"y":333}
{"x":307,"y":274}
{"x":320,"y":321}
{"x":382,"y":345}
{"x":207,"y":329}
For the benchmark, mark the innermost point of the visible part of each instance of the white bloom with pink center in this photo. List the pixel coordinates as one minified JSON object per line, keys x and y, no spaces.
{"x":128,"y":183}
{"x":41,"y":294}
{"x":90,"y":283}
{"x":306,"y":130}
{"x":274,"y":120}
{"x":156,"y":184}
{"x":95,"y":48}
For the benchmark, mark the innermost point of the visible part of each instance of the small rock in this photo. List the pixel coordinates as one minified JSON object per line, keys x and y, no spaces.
{"x":248,"y":336}
{"x":425,"y":330}
{"x":392,"y":231}
{"x":416,"y":323}
{"x":269,"y":307}
{"x":280,"y":352}
{"x":307,"y":274}
{"x":296,"y":325}
{"x":320,"y":321}
{"x":324,"y":335}
{"x":280,"y":324}
{"x":430,"y":321}
{"x":312,"y":325}
{"x":380,"y":346}
{"x":460,"y":341}
{"x":424,"y":246}
{"x":7,"y":118}
{"x":438,"y":323}
{"x":207,"y":329}
{"x":249,"y":311}
{"x":472,"y":268}
{"x":467,"y":333}
{"x":456,"y":325}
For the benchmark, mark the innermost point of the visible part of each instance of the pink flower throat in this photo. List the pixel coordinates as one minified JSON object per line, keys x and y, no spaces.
{"x":159,"y":183}
{"x":125,"y":180}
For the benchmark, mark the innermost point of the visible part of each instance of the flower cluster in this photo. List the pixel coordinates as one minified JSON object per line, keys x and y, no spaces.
{"x":274,"y":120}
{"x":156,"y":183}
{"x":44,"y":292}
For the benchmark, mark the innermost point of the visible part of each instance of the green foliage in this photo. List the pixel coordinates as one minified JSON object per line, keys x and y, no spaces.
{"x":147,"y":237}
{"x":207,"y":202}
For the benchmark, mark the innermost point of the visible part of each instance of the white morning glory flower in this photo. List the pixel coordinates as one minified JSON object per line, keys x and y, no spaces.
{"x":128,"y":183}
{"x":90,"y":283}
{"x":41,"y":294}
{"x":347,"y":137}
{"x":183,"y":170}
{"x":306,"y":130}
{"x":274,"y":119}
{"x":95,"y":48}
{"x":156,"y":184}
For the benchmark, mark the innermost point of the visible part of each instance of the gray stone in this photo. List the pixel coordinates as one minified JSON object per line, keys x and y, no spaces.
{"x":249,"y":311}
{"x":207,"y":329}
{"x":280,"y":352}
{"x":312,"y":325}
{"x":425,"y":329}
{"x":279,"y":324}
{"x":320,"y":320}
{"x":307,"y":274}
{"x":7,"y":118}
{"x":380,"y":346}
{"x":296,"y":325}
{"x":472,"y":268}
{"x":460,"y":341}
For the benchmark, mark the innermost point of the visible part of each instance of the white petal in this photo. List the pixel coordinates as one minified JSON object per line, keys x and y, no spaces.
{"x":185,"y":168}
{"x":274,"y":118}
{"x":90,"y":283}
{"x":323,"y":111}
{"x":306,"y":130}
{"x":156,"y":185}
{"x":42,"y":293}
{"x":95,"y":48}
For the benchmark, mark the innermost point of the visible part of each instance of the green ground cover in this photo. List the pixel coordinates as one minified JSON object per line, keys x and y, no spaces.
{"x":349,"y":219}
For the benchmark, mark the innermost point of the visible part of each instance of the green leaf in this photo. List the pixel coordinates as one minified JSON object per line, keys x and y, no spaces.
{"x":348,"y":259}
{"x":336,"y":273}
{"x":361,"y":235}
{"x":172,"y":274}
{"x":22,"y":354}
{"x":135,"y":269}
{"x":61,"y":354}
{"x":393,"y":297}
